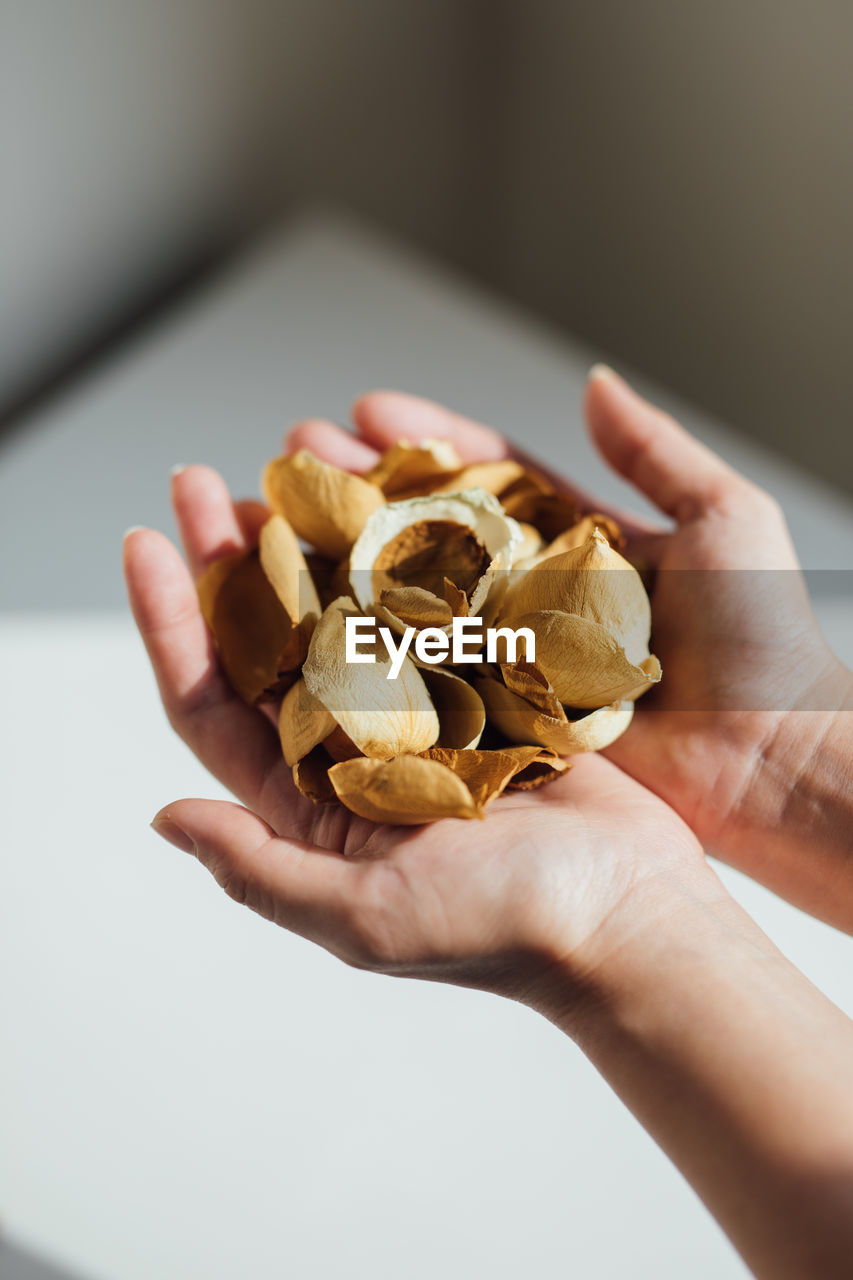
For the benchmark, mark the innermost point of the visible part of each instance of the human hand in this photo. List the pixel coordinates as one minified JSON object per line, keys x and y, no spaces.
{"x":505,"y":905}
{"x":718,"y":739}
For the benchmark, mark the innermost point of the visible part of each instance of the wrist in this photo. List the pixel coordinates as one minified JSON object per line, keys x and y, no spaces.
{"x":795,"y":796}
{"x":676,"y":919}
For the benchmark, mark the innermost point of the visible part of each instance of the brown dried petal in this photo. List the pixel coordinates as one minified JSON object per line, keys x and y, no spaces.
{"x":326,"y":506}
{"x":284,"y":565}
{"x":583,"y":663}
{"x":494,"y":477}
{"x":408,"y":469}
{"x":488,"y":773}
{"x":259,"y":645}
{"x":550,"y":513}
{"x":461,"y":714}
{"x":594,"y":582}
{"x":546,"y":722}
{"x":407,"y":791}
{"x":576,"y":536}
{"x":416,"y":607}
{"x":303,"y":723}
{"x":311,"y":775}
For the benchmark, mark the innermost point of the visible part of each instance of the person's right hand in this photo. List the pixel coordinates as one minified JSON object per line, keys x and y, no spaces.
{"x":752,"y":695}
{"x":719,"y":739}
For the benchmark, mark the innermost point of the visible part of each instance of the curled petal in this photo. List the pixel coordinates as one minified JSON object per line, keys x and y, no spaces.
{"x":461,"y":714}
{"x":408,"y":790}
{"x":382,"y":717}
{"x":583,"y":663}
{"x":464,"y":538}
{"x":487,"y":774}
{"x":593,"y":582}
{"x":576,"y":536}
{"x":406,"y":469}
{"x":303,"y":723}
{"x":545,"y":721}
{"x":311,"y":775}
{"x":326,"y":506}
{"x":260,"y":639}
{"x":416,"y":607}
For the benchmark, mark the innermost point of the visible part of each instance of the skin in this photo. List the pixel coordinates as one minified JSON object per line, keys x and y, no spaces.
{"x":748,"y":736}
{"x":604,"y":915}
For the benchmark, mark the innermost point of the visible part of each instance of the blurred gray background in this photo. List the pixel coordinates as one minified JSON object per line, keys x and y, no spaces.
{"x":671,"y":182}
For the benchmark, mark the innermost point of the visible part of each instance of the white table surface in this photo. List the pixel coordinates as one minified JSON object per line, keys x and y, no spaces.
{"x":186,"y":1091}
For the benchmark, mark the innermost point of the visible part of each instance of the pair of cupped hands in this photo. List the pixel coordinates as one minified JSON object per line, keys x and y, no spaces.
{"x":533,"y":901}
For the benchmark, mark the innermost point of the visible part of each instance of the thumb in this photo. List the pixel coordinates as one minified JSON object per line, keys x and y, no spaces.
{"x":292,"y":883}
{"x":649,"y":448}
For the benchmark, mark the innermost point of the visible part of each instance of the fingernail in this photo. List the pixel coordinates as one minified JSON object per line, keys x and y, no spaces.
{"x":176,"y":470}
{"x":134,"y":528}
{"x":600,"y":370}
{"x":174,"y":834}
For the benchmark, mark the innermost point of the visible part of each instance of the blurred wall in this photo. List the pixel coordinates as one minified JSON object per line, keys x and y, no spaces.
{"x":674,"y":182}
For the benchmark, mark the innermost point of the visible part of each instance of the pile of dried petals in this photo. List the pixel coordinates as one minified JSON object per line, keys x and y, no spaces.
{"x":415,"y":542}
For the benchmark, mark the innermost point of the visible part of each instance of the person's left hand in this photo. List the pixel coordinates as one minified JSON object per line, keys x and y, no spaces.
{"x":549,"y":883}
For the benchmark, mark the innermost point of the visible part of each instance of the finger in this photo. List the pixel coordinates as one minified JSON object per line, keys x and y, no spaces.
{"x":646,"y":446}
{"x":201,"y":705}
{"x":208,"y":524}
{"x":332,"y":443}
{"x":251,"y":516}
{"x":384,"y":417}
{"x":286,"y":880}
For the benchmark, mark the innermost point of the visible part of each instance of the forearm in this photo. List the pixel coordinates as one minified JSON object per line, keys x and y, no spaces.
{"x":737,"y":1066}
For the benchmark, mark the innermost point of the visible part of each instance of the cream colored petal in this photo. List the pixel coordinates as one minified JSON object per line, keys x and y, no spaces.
{"x":583,"y":663}
{"x":460,"y":709}
{"x":259,"y":647}
{"x":416,"y":537}
{"x":325,"y":506}
{"x":384,"y":718}
{"x":303,"y":722}
{"x":521,"y":721}
{"x":594,"y":582}
{"x":406,"y":469}
{"x":407,"y":791}
{"x":530,"y":547}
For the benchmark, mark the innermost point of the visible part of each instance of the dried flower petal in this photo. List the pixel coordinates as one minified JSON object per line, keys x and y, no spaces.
{"x":326,"y":506}
{"x":407,"y":469}
{"x":582,"y":661}
{"x":416,"y":607}
{"x":531,"y":712}
{"x":488,"y":773}
{"x":407,"y":791}
{"x":460,"y":710}
{"x":576,"y":536}
{"x":384,"y":718}
{"x":303,"y":722}
{"x":261,"y":607}
{"x":462,"y":537}
{"x":311,"y":775}
{"x":594,"y":582}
